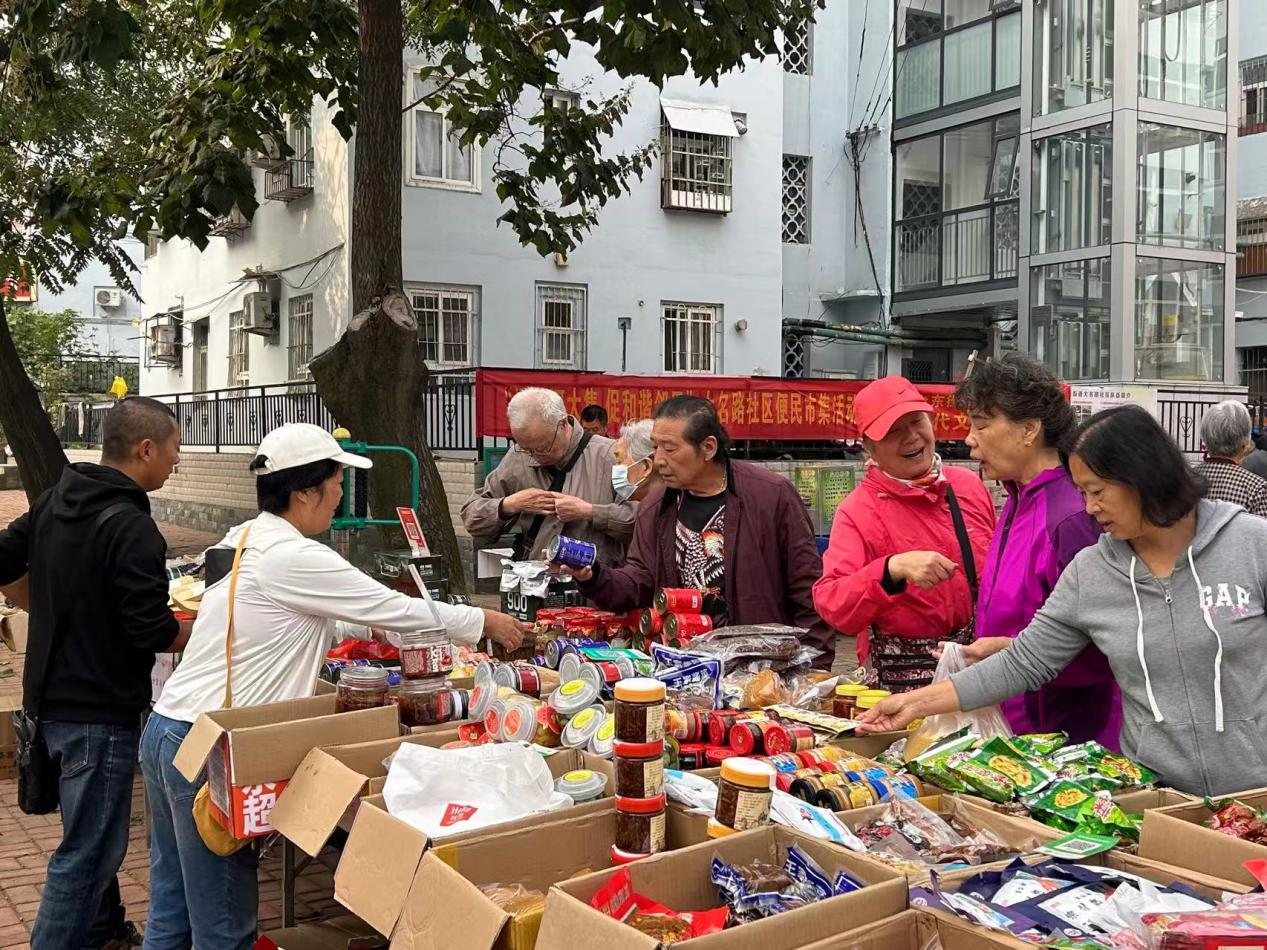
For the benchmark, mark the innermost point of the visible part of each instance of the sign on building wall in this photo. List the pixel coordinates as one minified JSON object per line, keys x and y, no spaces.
{"x":19,"y":290}
{"x":750,"y":407}
{"x":1088,"y":400}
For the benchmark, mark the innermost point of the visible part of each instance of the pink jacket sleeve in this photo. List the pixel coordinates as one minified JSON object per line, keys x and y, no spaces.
{"x":849,"y":595}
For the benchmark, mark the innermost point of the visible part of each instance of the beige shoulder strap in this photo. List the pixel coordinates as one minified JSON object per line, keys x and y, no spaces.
{"x":228,"y":637}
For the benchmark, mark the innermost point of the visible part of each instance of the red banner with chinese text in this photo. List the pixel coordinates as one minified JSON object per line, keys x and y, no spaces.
{"x":751,"y":408}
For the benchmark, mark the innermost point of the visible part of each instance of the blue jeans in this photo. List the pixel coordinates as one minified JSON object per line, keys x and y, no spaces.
{"x":197,"y":898}
{"x":97,"y":765}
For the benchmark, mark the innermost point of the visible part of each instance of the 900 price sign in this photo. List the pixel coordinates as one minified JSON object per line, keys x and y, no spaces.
{"x":520,"y":606}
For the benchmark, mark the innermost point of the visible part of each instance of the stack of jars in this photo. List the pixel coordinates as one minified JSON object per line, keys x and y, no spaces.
{"x":426,"y":659}
{"x":638,"y":760}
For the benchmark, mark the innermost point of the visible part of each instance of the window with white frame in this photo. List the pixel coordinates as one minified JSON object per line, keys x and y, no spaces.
{"x":437,"y":157}
{"x":561,"y":320}
{"x":239,"y":350}
{"x":692,"y":337}
{"x":795,"y":199}
{"x":446,"y":324}
{"x":696,"y":166}
{"x":299,"y":337}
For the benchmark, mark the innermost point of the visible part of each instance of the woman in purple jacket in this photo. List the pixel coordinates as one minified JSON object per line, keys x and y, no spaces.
{"x":1020,"y":422}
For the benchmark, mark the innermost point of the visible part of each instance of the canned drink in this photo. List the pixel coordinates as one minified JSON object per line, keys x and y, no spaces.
{"x":569,"y":667}
{"x":554,"y":653}
{"x":610,"y":671}
{"x":678,"y":600}
{"x":571,"y":553}
{"x":683,"y":627}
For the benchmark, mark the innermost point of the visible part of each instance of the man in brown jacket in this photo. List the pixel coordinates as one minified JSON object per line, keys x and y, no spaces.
{"x":518,"y":495}
{"x":732,"y":529}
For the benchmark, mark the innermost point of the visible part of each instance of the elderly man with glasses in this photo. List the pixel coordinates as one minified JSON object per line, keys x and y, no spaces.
{"x":556,"y":479}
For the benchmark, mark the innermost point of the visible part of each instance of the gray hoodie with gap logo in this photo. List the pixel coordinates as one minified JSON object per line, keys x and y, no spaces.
{"x":1189,"y":652}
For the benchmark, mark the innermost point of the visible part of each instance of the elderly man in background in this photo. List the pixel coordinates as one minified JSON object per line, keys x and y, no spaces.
{"x":556,"y":479}
{"x":1226,"y":430}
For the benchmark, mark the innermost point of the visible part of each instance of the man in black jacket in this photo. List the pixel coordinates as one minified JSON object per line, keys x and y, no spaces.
{"x":95,"y":563}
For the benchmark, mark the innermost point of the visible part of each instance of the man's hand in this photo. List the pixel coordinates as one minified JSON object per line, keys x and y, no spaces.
{"x":536,"y":501}
{"x":571,"y":508}
{"x":504,"y":630}
{"x":924,"y":569}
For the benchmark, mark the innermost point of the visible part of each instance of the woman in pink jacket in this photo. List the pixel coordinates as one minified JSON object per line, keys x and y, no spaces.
{"x":900,"y":573}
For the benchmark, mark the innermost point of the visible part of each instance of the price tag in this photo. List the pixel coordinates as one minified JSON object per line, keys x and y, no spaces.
{"x":413,"y":532}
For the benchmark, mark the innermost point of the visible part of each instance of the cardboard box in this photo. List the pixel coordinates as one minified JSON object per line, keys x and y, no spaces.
{"x":9,"y":704}
{"x":1024,"y":835}
{"x":914,"y":930}
{"x":383,"y":853}
{"x":341,"y":933}
{"x":250,"y":753}
{"x":1143,"y":800}
{"x":445,"y":909}
{"x":332,"y":780}
{"x":1175,"y":835}
{"x":13,"y":630}
{"x":682,"y":880}
{"x":869,"y":746}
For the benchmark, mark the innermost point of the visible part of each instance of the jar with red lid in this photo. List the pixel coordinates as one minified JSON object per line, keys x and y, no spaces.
{"x":692,"y":756}
{"x":719,"y":723}
{"x":639,"y":769}
{"x":788,"y":737}
{"x":747,"y":737}
{"x":640,"y":825}
{"x":717,"y":754}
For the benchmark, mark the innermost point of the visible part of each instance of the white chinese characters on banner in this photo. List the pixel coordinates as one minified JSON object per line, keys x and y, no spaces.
{"x":257,"y":808}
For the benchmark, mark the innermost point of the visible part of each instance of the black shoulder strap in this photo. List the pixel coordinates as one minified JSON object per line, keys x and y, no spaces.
{"x":102,"y":517}
{"x":556,"y":484}
{"x":965,"y":545}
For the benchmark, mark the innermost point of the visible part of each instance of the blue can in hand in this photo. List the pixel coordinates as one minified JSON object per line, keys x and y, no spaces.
{"x":572,"y":553}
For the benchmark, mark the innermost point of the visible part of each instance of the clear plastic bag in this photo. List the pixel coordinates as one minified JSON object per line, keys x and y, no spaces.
{"x":987,"y":722}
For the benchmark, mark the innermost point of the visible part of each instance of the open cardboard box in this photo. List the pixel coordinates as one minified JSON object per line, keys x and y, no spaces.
{"x":913,"y":930}
{"x":382,"y":853}
{"x":1176,"y":835}
{"x":1022,"y":834}
{"x":445,"y":910}
{"x":682,"y":880}
{"x":332,"y":780}
{"x":869,"y":746}
{"x":251,"y":753}
{"x":341,"y":933}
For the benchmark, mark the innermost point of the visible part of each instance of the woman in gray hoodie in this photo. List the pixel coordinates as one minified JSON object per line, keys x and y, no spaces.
{"x":1172,"y":594}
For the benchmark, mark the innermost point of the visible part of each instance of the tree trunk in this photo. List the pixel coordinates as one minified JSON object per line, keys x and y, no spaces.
{"x":25,"y":424}
{"x":373,"y":379}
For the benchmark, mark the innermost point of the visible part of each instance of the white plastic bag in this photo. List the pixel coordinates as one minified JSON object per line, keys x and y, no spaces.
{"x":449,"y":791}
{"x":987,"y":722}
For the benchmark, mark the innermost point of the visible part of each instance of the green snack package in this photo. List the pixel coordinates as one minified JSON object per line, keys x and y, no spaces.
{"x":1130,"y":774}
{"x":987,"y":782}
{"x":1103,"y":816}
{"x":1040,"y":744}
{"x":1084,"y":774}
{"x":1078,"y":753}
{"x":1065,"y":800}
{"x":999,"y":756}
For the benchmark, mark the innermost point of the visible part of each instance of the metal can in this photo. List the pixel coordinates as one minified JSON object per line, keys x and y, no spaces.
{"x":789,"y":738}
{"x":678,"y":600}
{"x":571,"y":553}
{"x":683,"y":627}
{"x":651,"y":624}
{"x":719,"y":723}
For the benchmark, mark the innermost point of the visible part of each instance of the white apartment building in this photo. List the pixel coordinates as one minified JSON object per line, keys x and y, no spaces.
{"x":747,"y":217}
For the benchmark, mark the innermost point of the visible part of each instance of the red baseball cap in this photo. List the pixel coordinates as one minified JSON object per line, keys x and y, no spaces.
{"x":882,"y":403}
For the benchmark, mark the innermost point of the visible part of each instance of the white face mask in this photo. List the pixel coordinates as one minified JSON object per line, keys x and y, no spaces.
{"x":621,"y":484}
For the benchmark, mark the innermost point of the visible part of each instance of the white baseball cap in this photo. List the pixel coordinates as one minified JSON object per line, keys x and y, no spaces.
{"x":301,"y":443}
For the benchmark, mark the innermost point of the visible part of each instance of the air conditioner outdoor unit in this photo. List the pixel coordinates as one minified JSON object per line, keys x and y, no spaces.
{"x":109,"y":297}
{"x":258,"y":315}
{"x":163,"y":345}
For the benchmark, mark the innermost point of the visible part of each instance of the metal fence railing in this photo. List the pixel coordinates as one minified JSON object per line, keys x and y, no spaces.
{"x":240,"y":417}
{"x":89,"y":373}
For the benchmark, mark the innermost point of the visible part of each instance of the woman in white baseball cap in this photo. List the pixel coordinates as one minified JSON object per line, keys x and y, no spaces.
{"x":294,"y":599}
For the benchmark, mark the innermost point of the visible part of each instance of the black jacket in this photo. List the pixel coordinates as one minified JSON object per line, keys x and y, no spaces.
{"x":98,"y":589}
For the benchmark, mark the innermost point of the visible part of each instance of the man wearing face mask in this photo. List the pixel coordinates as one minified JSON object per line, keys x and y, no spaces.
{"x":556,"y":479}
{"x":634,"y":476}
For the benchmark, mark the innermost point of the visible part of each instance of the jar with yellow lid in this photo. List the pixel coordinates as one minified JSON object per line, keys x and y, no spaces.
{"x":845,"y":699}
{"x":871,"y":698}
{"x":744,"y":793}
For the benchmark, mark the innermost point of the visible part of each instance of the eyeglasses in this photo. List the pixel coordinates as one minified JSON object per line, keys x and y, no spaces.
{"x":549,"y":449}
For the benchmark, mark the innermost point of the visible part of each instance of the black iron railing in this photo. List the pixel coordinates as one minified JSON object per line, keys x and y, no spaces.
{"x":94,"y":374}
{"x":239,"y":418}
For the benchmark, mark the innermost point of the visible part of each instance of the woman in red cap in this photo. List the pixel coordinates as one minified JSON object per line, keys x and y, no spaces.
{"x":901,"y":570}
